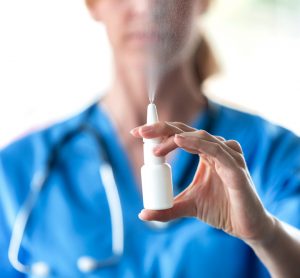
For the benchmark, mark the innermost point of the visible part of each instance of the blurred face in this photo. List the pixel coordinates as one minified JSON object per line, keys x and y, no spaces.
{"x":147,"y":32}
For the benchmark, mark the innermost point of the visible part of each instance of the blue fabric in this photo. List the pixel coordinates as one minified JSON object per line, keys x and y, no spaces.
{"x":71,"y":218}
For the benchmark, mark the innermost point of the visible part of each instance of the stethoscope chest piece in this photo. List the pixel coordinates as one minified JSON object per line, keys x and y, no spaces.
{"x":40,"y":269}
{"x":86,"y":264}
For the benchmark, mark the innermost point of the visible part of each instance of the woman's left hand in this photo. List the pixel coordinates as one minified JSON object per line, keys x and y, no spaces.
{"x":221,"y":193}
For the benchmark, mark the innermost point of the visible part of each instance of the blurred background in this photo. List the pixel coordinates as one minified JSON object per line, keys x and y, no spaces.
{"x":54,"y":60}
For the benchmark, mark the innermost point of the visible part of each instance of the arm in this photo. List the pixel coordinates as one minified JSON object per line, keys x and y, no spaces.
{"x":279,"y":251}
{"x":222,"y":194}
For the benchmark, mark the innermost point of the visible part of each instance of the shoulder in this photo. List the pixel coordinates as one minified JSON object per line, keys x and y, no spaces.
{"x":241,"y":121}
{"x":20,"y":160}
{"x":31,"y":148}
{"x":256,"y":133}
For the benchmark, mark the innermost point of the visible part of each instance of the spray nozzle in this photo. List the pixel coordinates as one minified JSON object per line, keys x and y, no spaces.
{"x":152,"y":116}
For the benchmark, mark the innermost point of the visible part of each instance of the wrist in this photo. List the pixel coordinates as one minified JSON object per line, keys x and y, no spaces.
{"x":267,"y":234}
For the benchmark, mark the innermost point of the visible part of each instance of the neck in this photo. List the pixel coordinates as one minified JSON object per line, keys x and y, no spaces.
{"x":178,"y":97}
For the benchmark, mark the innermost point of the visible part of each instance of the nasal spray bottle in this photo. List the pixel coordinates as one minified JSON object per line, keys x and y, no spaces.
{"x":156,"y":173}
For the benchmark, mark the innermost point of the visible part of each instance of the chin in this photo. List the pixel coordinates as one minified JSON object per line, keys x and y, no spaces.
{"x":134,"y":57}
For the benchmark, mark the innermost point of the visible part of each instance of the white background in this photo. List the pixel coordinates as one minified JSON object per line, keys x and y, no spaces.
{"x":54,"y":60}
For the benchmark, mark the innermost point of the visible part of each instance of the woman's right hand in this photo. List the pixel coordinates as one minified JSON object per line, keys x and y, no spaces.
{"x":222,"y":192}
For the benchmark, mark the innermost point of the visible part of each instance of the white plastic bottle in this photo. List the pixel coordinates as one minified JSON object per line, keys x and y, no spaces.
{"x":156,"y":173}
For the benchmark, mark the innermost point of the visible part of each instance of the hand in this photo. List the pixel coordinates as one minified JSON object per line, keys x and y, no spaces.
{"x":221,"y":193}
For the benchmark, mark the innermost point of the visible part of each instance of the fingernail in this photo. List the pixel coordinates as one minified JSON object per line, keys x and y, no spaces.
{"x":133,"y":131}
{"x":140,"y":216}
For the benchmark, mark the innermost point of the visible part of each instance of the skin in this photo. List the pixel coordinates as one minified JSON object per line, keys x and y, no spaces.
{"x":124,"y":21}
{"x":222,"y":193}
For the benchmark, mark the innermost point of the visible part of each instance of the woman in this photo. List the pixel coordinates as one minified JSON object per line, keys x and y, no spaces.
{"x":246,"y":186}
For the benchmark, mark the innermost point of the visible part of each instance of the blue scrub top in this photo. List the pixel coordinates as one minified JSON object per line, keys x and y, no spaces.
{"x":71,"y":218}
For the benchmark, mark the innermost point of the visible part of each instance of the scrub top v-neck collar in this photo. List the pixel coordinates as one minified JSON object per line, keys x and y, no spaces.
{"x":183,"y":161}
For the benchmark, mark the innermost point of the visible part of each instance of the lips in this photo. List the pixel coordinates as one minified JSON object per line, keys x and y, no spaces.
{"x":145,"y":36}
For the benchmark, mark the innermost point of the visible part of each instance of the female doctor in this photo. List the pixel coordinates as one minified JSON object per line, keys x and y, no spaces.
{"x":238,"y":211}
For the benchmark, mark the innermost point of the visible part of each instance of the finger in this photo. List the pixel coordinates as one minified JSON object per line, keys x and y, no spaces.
{"x":183,"y":126}
{"x":184,"y":208}
{"x":237,"y":153}
{"x":160,"y":129}
{"x":204,"y":135}
{"x":169,"y":145}
{"x":234,"y":145}
{"x":165,"y":147}
{"x":221,"y":138}
{"x":135,"y":132}
{"x":198,"y":145}
{"x":231,"y":146}
{"x":209,"y":137}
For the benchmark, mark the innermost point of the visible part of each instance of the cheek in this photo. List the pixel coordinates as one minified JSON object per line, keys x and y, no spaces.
{"x":114,"y":32}
{"x":176,"y":20}
{"x":180,"y":20}
{"x":114,"y":24}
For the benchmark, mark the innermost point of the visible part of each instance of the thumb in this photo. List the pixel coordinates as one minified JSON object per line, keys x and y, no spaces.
{"x":181,"y":208}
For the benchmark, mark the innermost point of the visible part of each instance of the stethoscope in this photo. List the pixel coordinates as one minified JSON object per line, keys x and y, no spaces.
{"x":85,"y":264}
